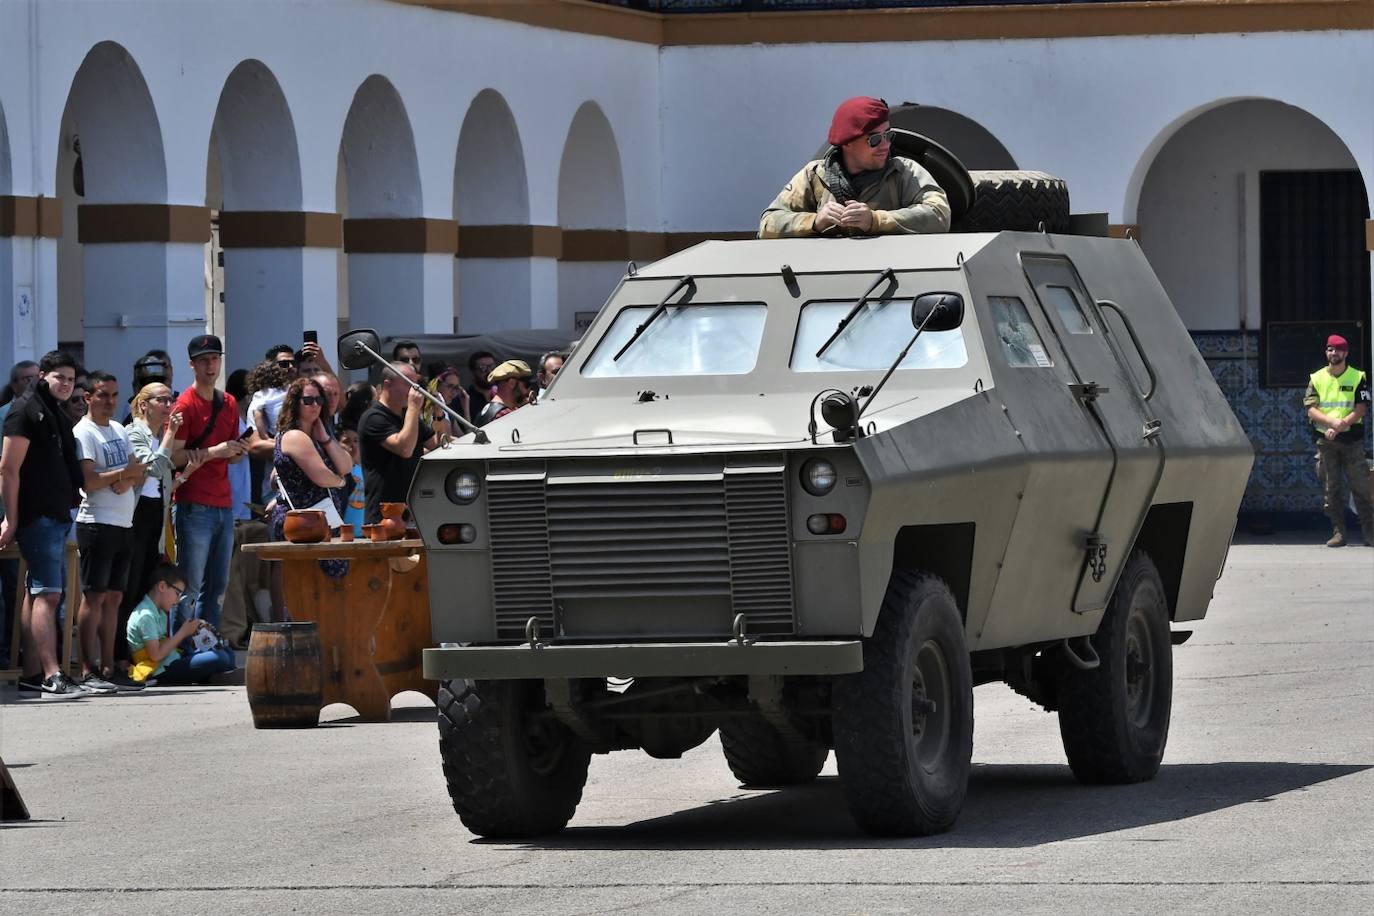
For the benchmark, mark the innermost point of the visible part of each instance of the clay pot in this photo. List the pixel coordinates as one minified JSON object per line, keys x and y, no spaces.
{"x":374,"y":532}
{"x":305,"y":526}
{"x":392,"y":523}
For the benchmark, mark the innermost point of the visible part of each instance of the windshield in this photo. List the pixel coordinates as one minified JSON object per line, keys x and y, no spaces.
{"x":693,"y":339}
{"x":872,"y":339}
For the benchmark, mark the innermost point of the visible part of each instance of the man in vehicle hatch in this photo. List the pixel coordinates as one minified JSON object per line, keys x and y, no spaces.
{"x":1337,"y":400}
{"x":859,"y":188}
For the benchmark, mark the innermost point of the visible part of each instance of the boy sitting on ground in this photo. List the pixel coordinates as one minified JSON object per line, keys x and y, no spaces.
{"x":156,"y":655}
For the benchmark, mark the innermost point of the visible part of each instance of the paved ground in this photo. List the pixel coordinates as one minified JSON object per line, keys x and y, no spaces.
{"x":170,"y":802}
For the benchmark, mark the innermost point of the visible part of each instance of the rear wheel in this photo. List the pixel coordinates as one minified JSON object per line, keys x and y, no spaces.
{"x":904,"y":725}
{"x":1114,"y":719}
{"x":511,"y":771}
{"x":760,"y":755}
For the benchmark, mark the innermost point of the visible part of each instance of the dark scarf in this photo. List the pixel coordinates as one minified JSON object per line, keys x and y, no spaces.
{"x":843,"y":186}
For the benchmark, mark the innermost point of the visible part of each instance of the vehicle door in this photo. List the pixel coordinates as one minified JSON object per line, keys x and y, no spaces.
{"x":1114,"y":400}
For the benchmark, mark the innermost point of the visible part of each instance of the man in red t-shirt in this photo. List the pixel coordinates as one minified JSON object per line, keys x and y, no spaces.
{"x":203,"y":513}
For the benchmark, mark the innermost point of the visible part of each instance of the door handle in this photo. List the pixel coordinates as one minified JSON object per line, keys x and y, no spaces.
{"x":1135,"y":341}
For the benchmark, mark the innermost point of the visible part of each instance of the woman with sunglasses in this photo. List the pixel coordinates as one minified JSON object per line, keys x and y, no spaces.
{"x":310,"y":463}
{"x":152,"y":431}
{"x":858,"y":187}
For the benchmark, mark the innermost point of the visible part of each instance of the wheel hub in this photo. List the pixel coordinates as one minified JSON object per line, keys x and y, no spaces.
{"x":931,"y":689}
{"x":1139,"y":669}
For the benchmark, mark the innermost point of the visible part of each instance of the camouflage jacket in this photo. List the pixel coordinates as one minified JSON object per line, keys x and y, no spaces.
{"x":905,"y":200}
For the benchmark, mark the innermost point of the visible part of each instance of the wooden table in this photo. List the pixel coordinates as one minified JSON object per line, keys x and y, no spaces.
{"x":373,"y":622}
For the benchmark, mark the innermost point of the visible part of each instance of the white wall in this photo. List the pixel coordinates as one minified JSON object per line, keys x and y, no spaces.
{"x":739,"y":121}
{"x":706,"y":135}
{"x":1199,"y":204}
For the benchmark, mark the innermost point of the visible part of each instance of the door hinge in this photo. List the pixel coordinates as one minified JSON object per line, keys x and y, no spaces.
{"x":1096,"y":547}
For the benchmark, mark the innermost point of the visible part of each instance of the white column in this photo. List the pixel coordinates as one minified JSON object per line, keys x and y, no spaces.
{"x":386,"y":292}
{"x":262,"y":302}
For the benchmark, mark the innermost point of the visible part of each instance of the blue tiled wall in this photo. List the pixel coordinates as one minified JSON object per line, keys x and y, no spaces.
{"x":1284,"y":479}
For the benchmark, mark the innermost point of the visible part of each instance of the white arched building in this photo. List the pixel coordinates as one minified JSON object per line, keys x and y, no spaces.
{"x":431,"y":166}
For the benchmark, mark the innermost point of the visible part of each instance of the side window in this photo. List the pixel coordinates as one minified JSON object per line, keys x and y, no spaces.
{"x":1020,"y":340}
{"x":1069,"y":308}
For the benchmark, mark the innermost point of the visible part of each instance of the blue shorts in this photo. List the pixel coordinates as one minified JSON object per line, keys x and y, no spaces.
{"x":43,"y":544}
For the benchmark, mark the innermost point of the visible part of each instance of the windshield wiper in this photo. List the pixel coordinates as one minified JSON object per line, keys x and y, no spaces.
{"x":662,"y":307}
{"x":901,"y":356}
{"x":863,"y":300}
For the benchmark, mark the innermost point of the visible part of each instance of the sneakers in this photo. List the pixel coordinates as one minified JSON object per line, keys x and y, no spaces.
{"x":94,"y":683}
{"x":60,"y":687}
{"x":1337,"y":539}
{"x":123,"y":683}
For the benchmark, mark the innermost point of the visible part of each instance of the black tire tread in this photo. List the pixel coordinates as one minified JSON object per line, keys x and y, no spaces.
{"x":872,"y":763}
{"x":759,"y":755}
{"x":484,"y":782}
{"x":1016,"y":200}
{"x":1093,"y":730}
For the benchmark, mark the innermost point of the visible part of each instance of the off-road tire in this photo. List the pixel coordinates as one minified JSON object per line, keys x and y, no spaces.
{"x":759,"y":755}
{"x":508,"y":775}
{"x":1114,"y":719}
{"x":896,"y":783}
{"x":1021,"y":201}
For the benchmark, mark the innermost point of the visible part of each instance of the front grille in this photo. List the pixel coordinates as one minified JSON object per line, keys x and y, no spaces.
{"x":588,"y":536}
{"x":519,"y":553}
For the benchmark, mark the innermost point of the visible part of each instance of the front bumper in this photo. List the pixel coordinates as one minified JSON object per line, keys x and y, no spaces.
{"x":678,"y":659}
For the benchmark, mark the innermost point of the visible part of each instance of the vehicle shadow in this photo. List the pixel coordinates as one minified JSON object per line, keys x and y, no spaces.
{"x":1008,"y":806}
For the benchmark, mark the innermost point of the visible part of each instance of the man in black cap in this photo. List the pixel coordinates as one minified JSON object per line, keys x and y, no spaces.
{"x":203,"y":513}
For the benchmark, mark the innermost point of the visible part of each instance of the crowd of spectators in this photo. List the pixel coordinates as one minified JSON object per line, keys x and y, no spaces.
{"x":159,"y":502}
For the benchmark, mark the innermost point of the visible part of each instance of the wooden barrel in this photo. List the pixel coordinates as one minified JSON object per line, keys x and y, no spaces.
{"x":284,"y":677}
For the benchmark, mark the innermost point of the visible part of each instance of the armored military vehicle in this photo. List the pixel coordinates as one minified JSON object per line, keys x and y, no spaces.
{"x":809,"y":493}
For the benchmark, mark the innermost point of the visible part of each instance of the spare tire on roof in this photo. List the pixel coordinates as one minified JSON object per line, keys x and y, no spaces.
{"x":1021,"y":201}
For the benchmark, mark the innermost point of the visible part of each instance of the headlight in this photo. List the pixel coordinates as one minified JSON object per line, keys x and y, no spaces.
{"x":818,"y":477}
{"x":462,"y":487}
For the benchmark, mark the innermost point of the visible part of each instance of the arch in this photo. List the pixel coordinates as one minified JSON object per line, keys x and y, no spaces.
{"x":110,"y":143}
{"x":253,"y":141}
{"x":489,"y":182}
{"x":490,"y":188}
{"x":110,"y":112}
{"x":381,"y":168}
{"x":1197,"y":203}
{"x":974,"y":144}
{"x":591,"y":186}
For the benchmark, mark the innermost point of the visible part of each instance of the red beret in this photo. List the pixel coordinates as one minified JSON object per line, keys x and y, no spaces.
{"x":856,"y":117}
{"x":1337,"y":341}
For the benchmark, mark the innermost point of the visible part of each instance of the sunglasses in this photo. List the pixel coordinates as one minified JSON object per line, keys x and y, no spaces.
{"x":286,"y":362}
{"x":310,"y":400}
{"x":881,"y":137}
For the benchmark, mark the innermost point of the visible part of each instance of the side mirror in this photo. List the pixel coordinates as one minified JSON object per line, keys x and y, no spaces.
{"x":352,"y":354}
{"x":933,"y":311}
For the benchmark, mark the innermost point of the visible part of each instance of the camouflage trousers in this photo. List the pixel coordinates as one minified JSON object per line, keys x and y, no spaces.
{"x":1344,"y":473}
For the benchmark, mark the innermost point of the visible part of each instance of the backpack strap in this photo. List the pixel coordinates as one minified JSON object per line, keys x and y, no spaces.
{"x":216,"y":405}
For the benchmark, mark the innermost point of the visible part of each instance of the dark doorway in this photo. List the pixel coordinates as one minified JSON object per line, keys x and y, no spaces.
{"x":1314,"y":270}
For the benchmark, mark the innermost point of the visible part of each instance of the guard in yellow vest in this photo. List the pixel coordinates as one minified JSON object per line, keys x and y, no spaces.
{"x":1337,"y":400}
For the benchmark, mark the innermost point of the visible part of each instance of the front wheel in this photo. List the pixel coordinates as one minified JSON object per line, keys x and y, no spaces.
{"x":1114,"y":719}
{"x":904,"y":725}
{"x":512,"y":769}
